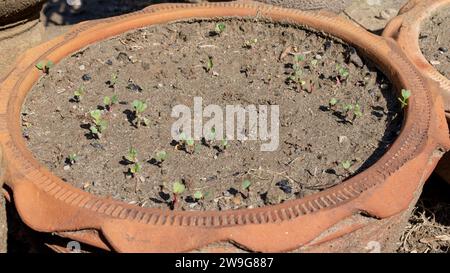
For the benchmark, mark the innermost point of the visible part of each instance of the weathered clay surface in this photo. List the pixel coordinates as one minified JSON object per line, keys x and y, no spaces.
{"x":385,"y":192}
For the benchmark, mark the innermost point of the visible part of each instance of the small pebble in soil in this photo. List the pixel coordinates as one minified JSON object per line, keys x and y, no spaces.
{"x":82,"y":67}
{"x":443,"y":49}
{"x":327,"y":45}
{"x":356,"y":60}
{"x":109,"y":62}
{"x":343,"y":139}
{"x":26,"y":135}
{"x":284,"y":186}
{"x":133,"y":59}
{"x":133,"y":86}
{"x":97,"y":145}
{"x":86,"y":77}
{"x":233,"y":191}
{"x":387,"y":14}
{"x":122,"y":57}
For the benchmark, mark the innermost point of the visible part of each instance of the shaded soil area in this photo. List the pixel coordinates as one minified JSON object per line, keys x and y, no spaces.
{"x":245,"y":63}
{"x":434,"y":41}
{"x":428,"y":230}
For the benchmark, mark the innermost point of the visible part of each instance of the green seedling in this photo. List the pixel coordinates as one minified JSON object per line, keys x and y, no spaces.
{"x":44,"y":66}
{"x":186,"y":143}
{"x":220,"y":27}
{"x":299,"y":58}
{"x":198,"y":195}
{"x":132,"y":155}
{"x":343,"y":73}
{"x":132,"y":158}
{"x":190,"y":145}
{"x":72,"y":158}
{"x":297,"y":75}
{"x":209,"y":139}
{"x":346,"y":165}
{"x":351,"y":112}
{"x":224,"y":143}
{"x":246,"y":184}
{"x":135,"y":168}
{"x":113,"y":80}
{"x":182,"y":137}
{"x":177,"y":189}
{"x":99,"y":125}
{"x":190,"y":142}
{"x":209,"y":64}
{"x":405,"y":97}
{"x":357,"y":111}
{"x":332,"y":103}
{"x":347,"y":111}
{"x":78,"y":94}
{"x":110,"y":101}
{"x":347,"y":108}
{"x":139,"y":108}
{"x":161,"y":156}
{"x":212,"y":134}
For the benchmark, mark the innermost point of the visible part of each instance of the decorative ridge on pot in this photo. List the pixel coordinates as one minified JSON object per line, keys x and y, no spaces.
{"x":384,"y":191}
{"x":405,"y":29}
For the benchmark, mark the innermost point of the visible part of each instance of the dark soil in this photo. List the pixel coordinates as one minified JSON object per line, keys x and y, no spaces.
{"x":166,"y":66}
{"x":435,"y":41}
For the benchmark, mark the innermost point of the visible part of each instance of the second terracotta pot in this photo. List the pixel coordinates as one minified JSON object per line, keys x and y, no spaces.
{"x":405,"y":30}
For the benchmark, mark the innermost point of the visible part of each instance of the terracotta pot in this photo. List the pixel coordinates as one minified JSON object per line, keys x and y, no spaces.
{"x":405,"y":30}
{"x":371,"y":206}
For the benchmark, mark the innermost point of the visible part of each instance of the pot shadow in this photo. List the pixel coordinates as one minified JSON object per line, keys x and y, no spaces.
{"x":130,"y":117}
{"x":58,"y":12}
{"x":23,"y":239}
{"x":88,"y":134}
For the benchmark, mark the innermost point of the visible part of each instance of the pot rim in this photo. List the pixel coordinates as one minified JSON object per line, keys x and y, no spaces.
{"x":48,"y":204}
